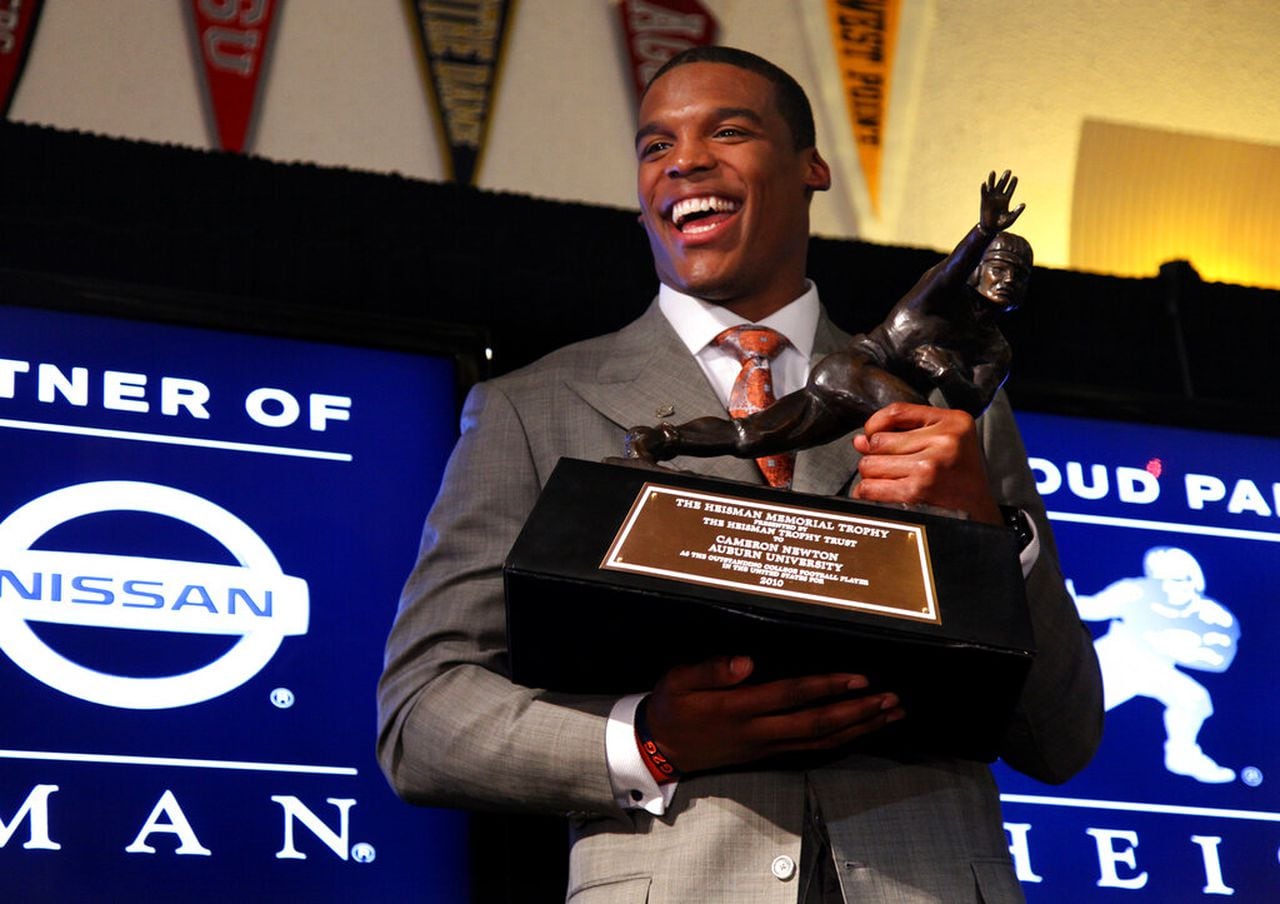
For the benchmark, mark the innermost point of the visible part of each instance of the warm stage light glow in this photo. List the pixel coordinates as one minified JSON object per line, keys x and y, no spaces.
{"x":1145,"y":196}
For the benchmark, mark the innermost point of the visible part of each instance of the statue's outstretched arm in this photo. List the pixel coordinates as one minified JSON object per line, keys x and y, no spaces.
{"x":994,"y":216}
{"x":781,"y":427}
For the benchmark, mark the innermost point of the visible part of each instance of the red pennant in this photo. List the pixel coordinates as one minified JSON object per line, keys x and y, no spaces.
{"x":17,"y":29}
{"x":656,"y":30}
{"x":231,"y":40}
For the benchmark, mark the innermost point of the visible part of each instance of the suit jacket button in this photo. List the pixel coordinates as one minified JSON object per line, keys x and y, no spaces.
{"x":783,"y":867}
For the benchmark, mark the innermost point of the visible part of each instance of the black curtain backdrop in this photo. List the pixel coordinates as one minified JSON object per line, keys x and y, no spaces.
{"x":538,"y":274}
{"x":229,"y":233}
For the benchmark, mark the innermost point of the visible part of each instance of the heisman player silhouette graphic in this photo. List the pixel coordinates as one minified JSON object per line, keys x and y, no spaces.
{"x":1160,"y":622}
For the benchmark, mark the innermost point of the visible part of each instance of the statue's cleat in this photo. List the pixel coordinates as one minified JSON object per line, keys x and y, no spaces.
{"x":1193,"y":762}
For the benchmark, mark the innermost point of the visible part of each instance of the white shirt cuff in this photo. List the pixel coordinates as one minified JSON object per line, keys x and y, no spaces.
{"x":634,"y":787}
{"x":1031,"y":551}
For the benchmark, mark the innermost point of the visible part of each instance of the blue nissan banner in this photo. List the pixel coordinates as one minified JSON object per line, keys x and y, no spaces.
{"x":1170,"y":542}
{"x":202,"y":538}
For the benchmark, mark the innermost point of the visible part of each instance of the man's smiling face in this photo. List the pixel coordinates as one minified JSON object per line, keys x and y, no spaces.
{"x":724,"y":194}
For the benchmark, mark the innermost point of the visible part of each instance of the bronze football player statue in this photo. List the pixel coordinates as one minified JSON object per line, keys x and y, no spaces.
{"x":942,"y":334}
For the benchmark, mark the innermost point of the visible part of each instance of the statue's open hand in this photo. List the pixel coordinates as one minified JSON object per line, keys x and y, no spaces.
{"x":995,"y":214}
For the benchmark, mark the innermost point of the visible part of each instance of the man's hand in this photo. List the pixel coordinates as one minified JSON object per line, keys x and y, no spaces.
{"x":701,"y":717}
{"x":919,"y":454}
{"x":995,"y":215}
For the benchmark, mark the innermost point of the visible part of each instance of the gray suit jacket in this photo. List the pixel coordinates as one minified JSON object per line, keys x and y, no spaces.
{"x":455,"y":731}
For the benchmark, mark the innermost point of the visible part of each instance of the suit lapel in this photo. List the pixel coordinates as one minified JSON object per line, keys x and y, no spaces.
{"x":649,"y":370}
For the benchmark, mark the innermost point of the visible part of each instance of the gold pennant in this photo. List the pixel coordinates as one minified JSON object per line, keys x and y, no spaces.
{"x":864,"y":34}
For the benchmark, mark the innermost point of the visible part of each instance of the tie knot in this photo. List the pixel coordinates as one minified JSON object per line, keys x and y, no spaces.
{"x":749,"y":341}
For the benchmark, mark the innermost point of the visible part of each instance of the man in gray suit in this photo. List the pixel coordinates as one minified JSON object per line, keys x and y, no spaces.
{"x":727,"y":167}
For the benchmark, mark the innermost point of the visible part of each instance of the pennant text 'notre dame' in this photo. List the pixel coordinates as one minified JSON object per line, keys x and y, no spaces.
{"x":461,"y":42}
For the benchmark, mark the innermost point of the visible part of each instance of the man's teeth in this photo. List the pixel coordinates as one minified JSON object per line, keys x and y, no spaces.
{"x":682,"y":210}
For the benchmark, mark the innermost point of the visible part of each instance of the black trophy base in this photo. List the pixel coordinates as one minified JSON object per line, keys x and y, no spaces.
{"x":574,"y":626}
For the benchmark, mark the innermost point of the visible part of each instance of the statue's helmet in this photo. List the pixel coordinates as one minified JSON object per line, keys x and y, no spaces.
{"x":1009,"y":247}
{"x":1169,"y":563}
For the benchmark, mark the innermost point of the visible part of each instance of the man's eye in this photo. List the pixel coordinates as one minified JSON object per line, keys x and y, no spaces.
{"x":654,"y":147}
{"x":729,"y":132}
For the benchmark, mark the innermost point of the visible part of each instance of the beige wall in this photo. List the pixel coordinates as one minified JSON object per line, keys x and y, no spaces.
{"x":980,"y":84}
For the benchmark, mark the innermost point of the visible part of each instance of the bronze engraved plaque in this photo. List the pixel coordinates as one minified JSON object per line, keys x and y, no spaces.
{"x":720,"y":568}
{"x":790,"y":552}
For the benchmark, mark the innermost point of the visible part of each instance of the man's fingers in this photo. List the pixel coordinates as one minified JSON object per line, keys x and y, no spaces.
{"x":724,"y":672}
{"x":849,"y":735}
{"x":917,"y":454}
{"x":825,"y":726}
{"x":702,"y":717}
{"x":794,"y":693}
{"x":711,"y":674}
{"x":910,"y":443}
{"x":901,"y":422}
{"x":905,"y":472}
{"x":909,"y":459}
{"x":898,"y":416}
{"x":936,"y":441}
{"x":905,"y":429}
{"x":885,"y":490}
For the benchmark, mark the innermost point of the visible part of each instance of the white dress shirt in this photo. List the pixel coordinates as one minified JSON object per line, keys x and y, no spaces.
{"x":698,"y":322}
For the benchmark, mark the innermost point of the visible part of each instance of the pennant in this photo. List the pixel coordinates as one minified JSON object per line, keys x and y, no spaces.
{"x":18,"y":19}
{"x":231,"y":46}
{"x":462,"y":43}
{"x":656,"y":30}
{"x":865,"y":35}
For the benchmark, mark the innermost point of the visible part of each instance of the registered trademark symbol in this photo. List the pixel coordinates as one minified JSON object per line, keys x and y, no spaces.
{"x":1251,"y":776}
{"x":363,"y":852}
{"x":282,"y":698}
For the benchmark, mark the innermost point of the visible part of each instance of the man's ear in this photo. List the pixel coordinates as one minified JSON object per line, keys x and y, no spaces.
{"x":817,"y":175}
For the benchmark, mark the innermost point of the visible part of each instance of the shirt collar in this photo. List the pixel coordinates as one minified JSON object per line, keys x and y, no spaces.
{"x":697,"y":322}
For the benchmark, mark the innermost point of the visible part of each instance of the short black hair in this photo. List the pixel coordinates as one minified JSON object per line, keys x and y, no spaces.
{"x":793,"y":103}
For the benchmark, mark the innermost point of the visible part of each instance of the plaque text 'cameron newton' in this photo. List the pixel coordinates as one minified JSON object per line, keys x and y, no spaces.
{"x":813,"y":555}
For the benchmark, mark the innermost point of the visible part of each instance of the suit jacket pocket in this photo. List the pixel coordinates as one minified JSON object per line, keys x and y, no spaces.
{"x":631,"y":890}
